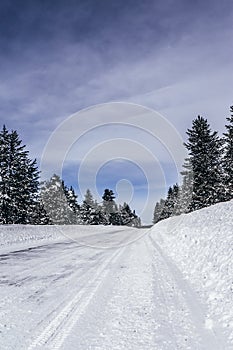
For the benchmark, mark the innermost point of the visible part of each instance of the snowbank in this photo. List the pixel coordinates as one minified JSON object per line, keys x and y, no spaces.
{"x":13,"y":237}
{"x":201,"y":245}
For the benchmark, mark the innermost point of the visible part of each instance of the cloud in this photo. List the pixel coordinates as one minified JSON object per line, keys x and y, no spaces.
{"x":57,"y":58}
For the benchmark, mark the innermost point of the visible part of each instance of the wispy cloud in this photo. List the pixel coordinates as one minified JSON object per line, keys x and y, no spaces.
{"x":57,"y":58}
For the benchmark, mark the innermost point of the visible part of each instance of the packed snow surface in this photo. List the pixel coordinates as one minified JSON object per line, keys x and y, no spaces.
{"x":200,"y":244}
{"x":120,"y":288}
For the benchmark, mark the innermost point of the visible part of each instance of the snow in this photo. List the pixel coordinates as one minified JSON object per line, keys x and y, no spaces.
{"x":121,"y":288}
{"x":201,"y":246}
{"x":13,"y":237}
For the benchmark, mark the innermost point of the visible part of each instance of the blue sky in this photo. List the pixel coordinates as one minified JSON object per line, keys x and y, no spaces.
{"x":58,"y":57}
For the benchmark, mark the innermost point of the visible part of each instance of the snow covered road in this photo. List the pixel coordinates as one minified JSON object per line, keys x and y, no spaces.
{"x":107,"y":294}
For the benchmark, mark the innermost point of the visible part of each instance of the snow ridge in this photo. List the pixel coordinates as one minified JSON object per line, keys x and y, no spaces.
{"x":69,"y":315}
{"x":200,"y":244}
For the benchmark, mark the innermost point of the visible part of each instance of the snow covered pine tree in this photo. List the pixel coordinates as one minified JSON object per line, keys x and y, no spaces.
{"x":204,"y":148}
{"x":157,"y":216}
{"x":228,"y":158}
{"x":168,"y":208}
{"x":59,"y":202}
{"x":127,"y":216}
{"x":186,"y":189}
{"x":18,"y":181}
{"x":109,"y":207}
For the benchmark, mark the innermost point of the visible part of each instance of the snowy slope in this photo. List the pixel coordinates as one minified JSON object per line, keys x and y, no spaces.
{"x":201,"y":246}
{"x":13,"y":237}
{"x":119,"y":288}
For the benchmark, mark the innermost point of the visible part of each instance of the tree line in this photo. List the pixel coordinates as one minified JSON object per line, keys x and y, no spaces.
{"x":207,"y":176}
{"x":61,"y":206}
{"x":24,"y":200}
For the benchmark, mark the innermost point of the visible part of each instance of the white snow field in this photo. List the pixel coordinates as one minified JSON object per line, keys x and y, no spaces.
{"x":82,"y":288}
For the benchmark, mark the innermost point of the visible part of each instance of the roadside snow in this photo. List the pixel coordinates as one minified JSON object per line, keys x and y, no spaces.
{"x":201,"y":246}
{"x":14,"y":237}
{"x":19,"y":234}
{"x":170,"y":289}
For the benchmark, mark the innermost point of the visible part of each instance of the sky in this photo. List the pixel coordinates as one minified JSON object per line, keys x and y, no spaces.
{"x":57,"y":58}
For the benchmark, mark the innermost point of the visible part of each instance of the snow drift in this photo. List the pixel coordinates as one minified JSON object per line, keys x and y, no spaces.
{"x":200,"y":244}
{"x":13,"y":237}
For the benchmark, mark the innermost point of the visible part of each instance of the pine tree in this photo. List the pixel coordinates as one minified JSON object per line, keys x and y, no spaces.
{"x":228,"y":158}
{"x":71,"y":198}
{"x":18,"y":180}
{"x":184,"y":198}
{"x":98,"y":217}
{"x":168,"y":207}
{"x":158,"y":211}
{"x":109,"y":206}
{"x":204,"y":148}
{"x":108,"y":196}
{"x":170,"y":203}
{"x":57,"y":203}
{"x":136,"y":222}
{"x":127,"y":216}
{"x":39,"y":216}
{"x":5,"y":198}
{"x":88,"y":209}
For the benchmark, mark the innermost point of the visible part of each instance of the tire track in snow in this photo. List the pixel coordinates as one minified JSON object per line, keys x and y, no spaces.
{"x":56,"y":332}
{"x":166,"y":334}
{"x":75,"y":276}
{"x":39,"y":289}
{"x":209,"y":339}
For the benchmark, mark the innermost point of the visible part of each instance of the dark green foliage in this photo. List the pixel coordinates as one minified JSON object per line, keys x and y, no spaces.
{"x":207,"y":177}
{"x":158,"y":211}
{"x":18,"y":180}
{"x":170,"y":202}
{"x":109,"y":207}
{"x":71,"y":198}
{"x":127,"y":216}
{"x":228,"y":158}
{"x":90,"y":212}
{"x":87,"y":209}
{"x":118,"y":216}
{"x":39,"y":216}
{"x":108,"y":195}
{"x":167,"y":208}
{"x":204,"y":147}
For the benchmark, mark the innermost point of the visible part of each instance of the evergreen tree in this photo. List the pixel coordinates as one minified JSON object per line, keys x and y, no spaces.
{"x":168,"y":207}
{"x":204,"y":149}
{"x":18,"y":180}
{"x":108,"y":196}
{"x":56,"y":200}
{"x":88,"y":209}
{"x":228,"y":158}
{"x":5,"y":195}
{"x":39,"y":216}
{"x":136,"y":222}
{"x":158,"y":211}
{"x":186,"y":190}
{"x":108,"y":214}
{"x":98,"y":217}
{"x":127,"y":216}
{"x":71,"y":198}
{"x":109,"y":207}
{"x":170,"y":203}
